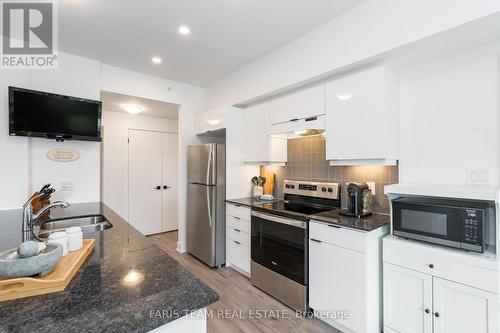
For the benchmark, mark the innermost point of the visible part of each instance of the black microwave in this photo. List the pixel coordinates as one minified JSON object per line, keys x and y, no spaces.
{"x":450,"y":222}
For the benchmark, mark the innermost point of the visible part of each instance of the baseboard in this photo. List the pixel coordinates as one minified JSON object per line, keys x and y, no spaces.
{"x":181,"y":248}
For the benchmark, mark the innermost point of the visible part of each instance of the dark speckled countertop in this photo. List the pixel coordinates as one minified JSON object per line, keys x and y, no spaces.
{"x":251,"y":202}
{"x":97,"y":300}
{"x":369,"y":223}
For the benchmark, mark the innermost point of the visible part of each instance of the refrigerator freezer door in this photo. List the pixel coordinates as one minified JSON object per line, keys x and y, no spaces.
{"x":201,"y":164}
{"x":201,"y":222}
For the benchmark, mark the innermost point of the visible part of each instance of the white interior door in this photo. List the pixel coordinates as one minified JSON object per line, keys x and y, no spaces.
{"x":170,"y":182}
{"x":145,"y":175}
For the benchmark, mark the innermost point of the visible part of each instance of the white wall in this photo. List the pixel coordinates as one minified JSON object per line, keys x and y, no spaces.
{"x":373,"y":28}
{"x":450,"y":117}
{"x":115,"y":125}
{"x":75,"y":76}
{"x":191,"y":101}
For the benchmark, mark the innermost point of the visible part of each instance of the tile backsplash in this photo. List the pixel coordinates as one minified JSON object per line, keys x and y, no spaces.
{"x":307,"y":161}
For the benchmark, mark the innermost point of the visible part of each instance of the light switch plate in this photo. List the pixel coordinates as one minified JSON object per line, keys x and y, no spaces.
{"x":67,"y":185}
{"x":477,"y":176}
{"x":371,"y":186}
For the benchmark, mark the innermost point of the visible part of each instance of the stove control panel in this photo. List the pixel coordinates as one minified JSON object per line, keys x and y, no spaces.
{"x":312,"y":189}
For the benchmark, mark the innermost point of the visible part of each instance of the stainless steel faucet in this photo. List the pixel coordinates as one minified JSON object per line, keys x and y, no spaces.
{"x":29,"y":217}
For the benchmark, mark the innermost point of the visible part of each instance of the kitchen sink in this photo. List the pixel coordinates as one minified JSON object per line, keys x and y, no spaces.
{"x":88,"y":224}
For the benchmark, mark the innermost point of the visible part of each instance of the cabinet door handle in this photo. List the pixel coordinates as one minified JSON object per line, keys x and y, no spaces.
{"x":237,"y":242}
{"x":311,"y":119}
{"x":236,"y":218}
{"x":165,"y":187}
{"x":237,"y":230}
{"x":158,"y":187}
{"x":334,"y":226}
{"x":436,"y":314}
{"x":315,"y":240}
{"x":294,"y":119}
{"x":427,"y":311}
{"x":431,"y":266}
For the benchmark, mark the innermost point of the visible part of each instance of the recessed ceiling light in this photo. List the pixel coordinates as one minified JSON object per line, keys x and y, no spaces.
{"x":156,"y":60}
{"x":344,"y":96}
{"x":184,"y":30}
{"x":132,"y":108}
{"x":213,"y":121}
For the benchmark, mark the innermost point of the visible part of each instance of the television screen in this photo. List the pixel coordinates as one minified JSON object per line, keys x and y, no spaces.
{"x":41,"y":114}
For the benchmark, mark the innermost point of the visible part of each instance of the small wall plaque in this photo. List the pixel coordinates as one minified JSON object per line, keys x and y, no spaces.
{"x":63,"y":155}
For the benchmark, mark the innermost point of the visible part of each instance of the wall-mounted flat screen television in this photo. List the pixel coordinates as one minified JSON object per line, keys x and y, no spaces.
{"x":52,"y":116}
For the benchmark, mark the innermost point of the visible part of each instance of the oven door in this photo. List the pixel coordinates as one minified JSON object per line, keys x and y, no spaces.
{"x":428,"y":222}
{"x":278,"y":243}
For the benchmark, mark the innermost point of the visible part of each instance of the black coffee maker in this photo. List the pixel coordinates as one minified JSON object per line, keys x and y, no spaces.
{"x":359,"y":201}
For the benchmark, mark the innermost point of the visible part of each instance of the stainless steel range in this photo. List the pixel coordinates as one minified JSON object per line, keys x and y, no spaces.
{"x":279,"y":240}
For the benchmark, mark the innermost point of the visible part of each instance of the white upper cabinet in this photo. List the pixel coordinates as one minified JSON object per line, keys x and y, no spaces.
{"x":258,"y":146}
{"x":362,"y":118}
{"x":302,"y":104}
{"x":212,"y":120}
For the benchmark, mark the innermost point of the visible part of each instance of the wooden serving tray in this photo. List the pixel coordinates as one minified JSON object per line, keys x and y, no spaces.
{"x":58,"y":280}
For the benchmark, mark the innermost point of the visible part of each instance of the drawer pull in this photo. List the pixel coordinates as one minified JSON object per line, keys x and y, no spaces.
{"x":427,"y":311}
{"x":237,"y":230}
{"x":315,"y":240}
{"x":236,"y":218}
{"x":237,"y":242}
{"x":334,"y":226}
{"x":431,"y":266}
{"x":274,"y":263}
{"x":436,"y":314}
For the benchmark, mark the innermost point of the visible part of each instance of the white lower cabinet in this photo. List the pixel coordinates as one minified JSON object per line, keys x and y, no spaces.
{"x":422,"y":302}
{"x":407,"y":298}
{"x":238,"y":237}
{"x":348,"y":290}
{"x":345,"y":277}
{"x":462,"y":309}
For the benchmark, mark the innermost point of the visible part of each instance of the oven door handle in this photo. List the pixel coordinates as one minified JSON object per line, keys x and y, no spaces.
{"x":282,"y":220}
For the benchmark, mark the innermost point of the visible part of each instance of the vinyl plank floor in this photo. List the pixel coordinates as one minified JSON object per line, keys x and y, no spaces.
{"x":241,"y":307}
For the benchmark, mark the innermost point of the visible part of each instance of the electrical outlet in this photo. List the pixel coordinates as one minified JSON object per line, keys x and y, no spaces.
{"x":67,"y":185}
{"x":371,"y":186}
{"x":477,"y":176}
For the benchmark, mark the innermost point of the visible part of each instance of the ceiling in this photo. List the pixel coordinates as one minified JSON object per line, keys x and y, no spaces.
{"x":113,"y":102}
{"x":225,"y":34}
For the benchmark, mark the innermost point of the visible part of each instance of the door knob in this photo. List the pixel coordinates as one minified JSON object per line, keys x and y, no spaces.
{"x":158,"y":187}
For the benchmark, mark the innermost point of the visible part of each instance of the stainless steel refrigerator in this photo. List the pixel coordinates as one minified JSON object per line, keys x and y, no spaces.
{"x":206,"y":174}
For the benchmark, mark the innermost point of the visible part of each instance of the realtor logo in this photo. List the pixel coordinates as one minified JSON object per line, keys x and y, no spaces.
{"x":29,"y":34}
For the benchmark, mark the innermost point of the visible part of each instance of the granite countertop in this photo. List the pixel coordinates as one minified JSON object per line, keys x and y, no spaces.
{"x":97,"y":300}
{"x":369,"y":223}
{"x":251,"y":202}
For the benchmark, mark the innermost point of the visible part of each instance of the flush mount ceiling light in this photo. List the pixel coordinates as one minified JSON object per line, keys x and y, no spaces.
{"x":156,"y":60}
{"x":213,"y":121}
{"x":184,"y":30}
{"x":132,"y":108}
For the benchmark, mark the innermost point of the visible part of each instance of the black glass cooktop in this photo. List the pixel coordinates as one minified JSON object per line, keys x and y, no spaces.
{"x":299,"y":206}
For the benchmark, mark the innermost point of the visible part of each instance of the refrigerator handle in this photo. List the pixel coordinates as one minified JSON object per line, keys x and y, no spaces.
{"x":209,"y":204}
{"x":209,"y":165}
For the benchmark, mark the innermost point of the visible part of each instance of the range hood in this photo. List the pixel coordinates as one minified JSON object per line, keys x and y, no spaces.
{"x":299,"y":128}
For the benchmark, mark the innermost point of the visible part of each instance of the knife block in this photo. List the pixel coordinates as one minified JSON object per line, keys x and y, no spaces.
{"x":38,"y":204}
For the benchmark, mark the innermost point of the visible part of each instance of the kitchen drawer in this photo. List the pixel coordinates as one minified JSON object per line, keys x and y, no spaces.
{"x":241,"y":212}
{"x":464,"y":273}
{"x":238,"y":235}
{"x":239,"y":255}
{"x":349,"y":239}
{"x":238,"y":223}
